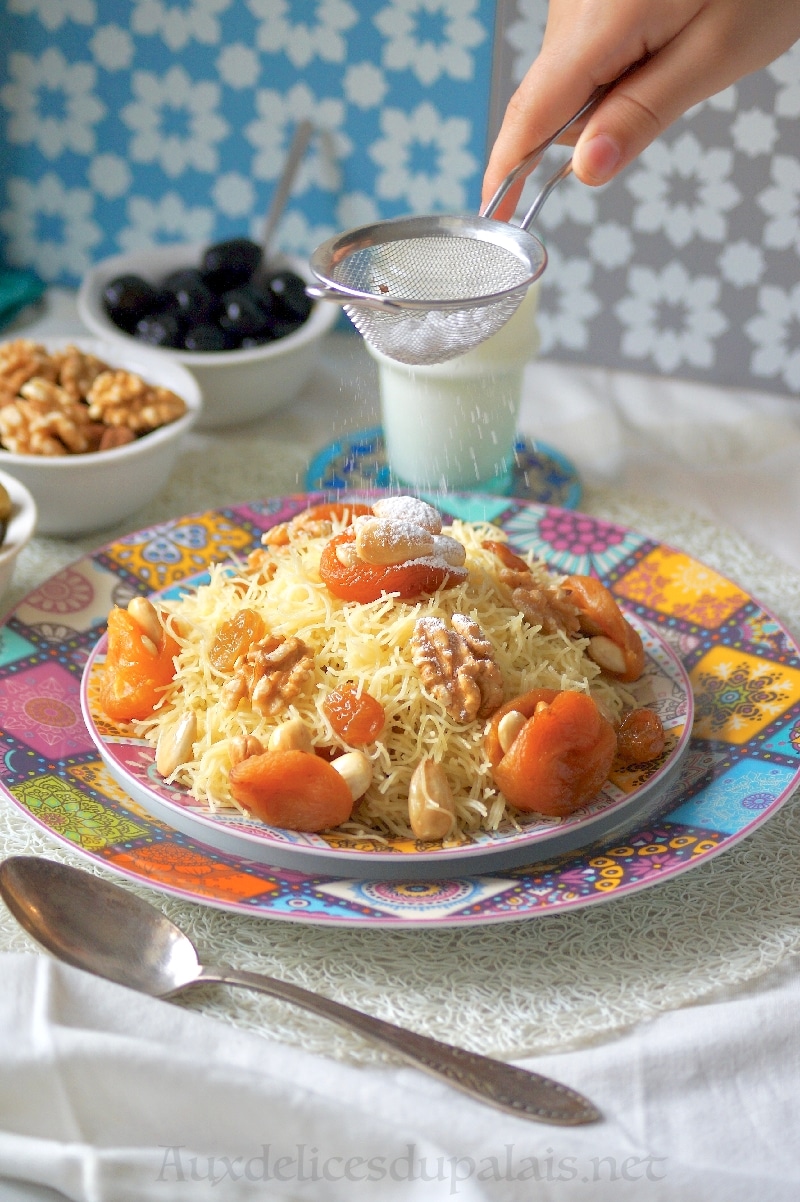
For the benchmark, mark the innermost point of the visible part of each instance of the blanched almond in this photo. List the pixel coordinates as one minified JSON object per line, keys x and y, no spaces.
{"x":509,"y":727}
{"x":606,"y":655}
{"x":431,"y":809}
{"x":449,"y":549}
{"x":382,"y":541}
{"x":291,"y":735}
{"x":145,"y":615}
{"x":175,"y":744}
{"x":347,"y":554}
{"x":355,"y":770}
{"x":409,"y":509}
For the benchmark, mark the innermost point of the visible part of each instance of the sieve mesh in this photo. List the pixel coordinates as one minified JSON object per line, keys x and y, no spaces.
{"x":435,"y":335}
{"x":434,"y":268}
{"x":447,"y":271}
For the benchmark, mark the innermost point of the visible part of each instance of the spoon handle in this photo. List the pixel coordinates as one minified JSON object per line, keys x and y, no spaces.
{"x":514,"y":1090}
{"x":302,"y":136}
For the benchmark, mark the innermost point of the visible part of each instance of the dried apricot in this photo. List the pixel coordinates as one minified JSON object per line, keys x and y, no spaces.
{"x":293,"y":790}
{"x":506,"y":555}
{"x":613,"y":642}
{"x":136,"y":670}
{"x":330,"y":511}
{"x":365,"y":582}
{"x":560,"y":758}
{"x":309,"y":521}
{"x":526,"y":705}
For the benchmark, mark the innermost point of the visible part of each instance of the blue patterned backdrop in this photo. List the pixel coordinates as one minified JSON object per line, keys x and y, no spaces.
{"x":129,"y":122}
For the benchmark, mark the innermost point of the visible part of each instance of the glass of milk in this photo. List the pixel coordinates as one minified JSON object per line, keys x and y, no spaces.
{"x":453,"y":425}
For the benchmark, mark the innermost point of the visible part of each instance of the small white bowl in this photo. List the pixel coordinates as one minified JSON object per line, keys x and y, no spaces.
{"x":76,"y":494}
{"x":238,"y":386}
{"x":19,"y":531}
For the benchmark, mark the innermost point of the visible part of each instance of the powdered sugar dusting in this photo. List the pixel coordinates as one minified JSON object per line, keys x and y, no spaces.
{"x":409,"y":509}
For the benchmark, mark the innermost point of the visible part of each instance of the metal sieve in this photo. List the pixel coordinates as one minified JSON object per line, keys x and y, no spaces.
{"x":422,"y":290}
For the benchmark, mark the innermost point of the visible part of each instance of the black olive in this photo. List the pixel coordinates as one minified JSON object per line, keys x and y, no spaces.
{"x":160,"y":329}
{"x":251,"y":341}
{"x":290,"y":297}
{"x":193,"y":298}
{"x":205,"y":338}
{"x":229,"y":264}
{"x":242,"y":316}
{"x":128,"y":298}
{"x":182,"y":277}
{"x":263,"y":297}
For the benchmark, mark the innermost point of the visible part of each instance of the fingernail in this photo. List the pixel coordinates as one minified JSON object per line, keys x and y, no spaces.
{"x":599,"y":156}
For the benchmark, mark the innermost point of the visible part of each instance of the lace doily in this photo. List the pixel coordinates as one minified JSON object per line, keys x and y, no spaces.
{"x":513,"y":989}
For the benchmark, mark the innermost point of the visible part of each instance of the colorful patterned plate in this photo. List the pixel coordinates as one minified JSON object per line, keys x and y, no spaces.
{"x":742,"y":762}
{"x":628,"y":794}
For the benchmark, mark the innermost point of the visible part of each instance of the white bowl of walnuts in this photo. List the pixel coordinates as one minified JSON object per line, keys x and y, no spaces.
{"x":91,"y":429}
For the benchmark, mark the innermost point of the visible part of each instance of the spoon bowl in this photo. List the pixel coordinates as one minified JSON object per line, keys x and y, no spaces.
{"x":95,"y":925}
{"x":91,"y":924}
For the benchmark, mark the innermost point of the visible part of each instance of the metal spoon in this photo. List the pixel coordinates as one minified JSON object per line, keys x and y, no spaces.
{"x":297,"y":149}
{"x":100,"y":927}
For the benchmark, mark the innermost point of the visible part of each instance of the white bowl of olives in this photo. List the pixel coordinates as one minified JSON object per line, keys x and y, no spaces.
{"x":247,"y":331}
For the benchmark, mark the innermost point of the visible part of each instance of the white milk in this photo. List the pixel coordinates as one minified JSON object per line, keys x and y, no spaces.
{"x":452,"y":425}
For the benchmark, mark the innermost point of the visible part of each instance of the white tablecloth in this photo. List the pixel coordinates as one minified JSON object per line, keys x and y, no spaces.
{"x":102,"y":1092}
{"x":109,"y":1095}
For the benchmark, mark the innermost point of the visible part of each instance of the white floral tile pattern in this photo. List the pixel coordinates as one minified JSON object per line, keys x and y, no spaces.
{"x":689,"y":260}
{"x":123,"y":125}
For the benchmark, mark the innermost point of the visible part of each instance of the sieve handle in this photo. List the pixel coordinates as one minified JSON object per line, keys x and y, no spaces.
{"x":342,"y":297}
{"x":555,"y":178}
{"x":532,"y":159}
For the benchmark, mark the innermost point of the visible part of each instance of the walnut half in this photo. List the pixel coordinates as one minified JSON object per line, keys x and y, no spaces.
{"x":546,"y":605}
{"x":45,"y":420}
{"x":20,"y":361}
{"x":272,"y":672}
{"x":120,"y":398}
{"x":456,"y":666}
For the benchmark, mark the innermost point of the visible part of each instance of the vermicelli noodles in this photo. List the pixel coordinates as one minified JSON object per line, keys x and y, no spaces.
{"x":367,"y":646}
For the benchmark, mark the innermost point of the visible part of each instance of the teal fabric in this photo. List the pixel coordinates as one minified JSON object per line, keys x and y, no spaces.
{"x":17,"y":289}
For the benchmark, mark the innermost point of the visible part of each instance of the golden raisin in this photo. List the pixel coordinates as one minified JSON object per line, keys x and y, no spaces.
{"x":235,"y":638}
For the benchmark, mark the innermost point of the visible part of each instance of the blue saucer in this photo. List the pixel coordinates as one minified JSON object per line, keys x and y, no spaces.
{"x":358,"y":460}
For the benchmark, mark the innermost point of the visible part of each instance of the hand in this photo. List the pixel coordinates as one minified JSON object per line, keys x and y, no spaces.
{"x":667,"y":56}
